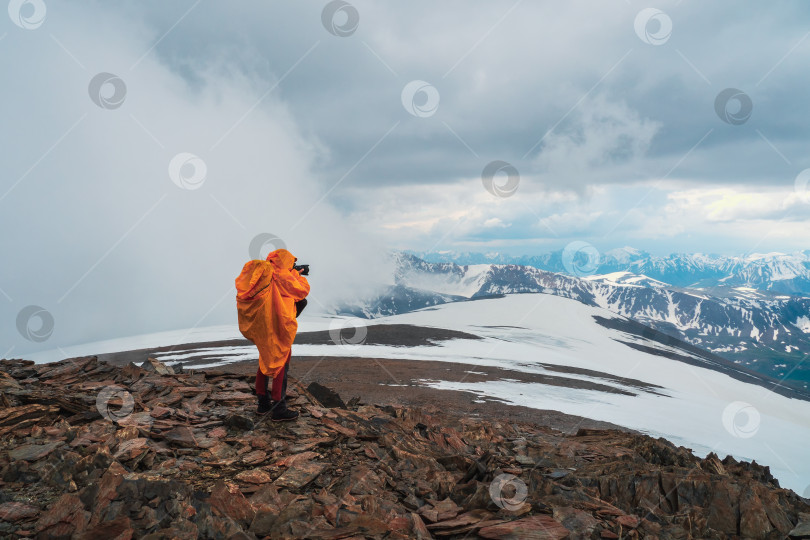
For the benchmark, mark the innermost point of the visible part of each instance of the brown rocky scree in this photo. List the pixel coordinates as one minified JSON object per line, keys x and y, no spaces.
{"x":192,"y":460}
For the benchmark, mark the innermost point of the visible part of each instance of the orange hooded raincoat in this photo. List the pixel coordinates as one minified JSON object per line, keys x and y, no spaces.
{"x":266,"y":292}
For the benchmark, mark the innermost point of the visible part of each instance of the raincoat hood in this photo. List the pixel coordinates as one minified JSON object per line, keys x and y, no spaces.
{"x":281,"y":258}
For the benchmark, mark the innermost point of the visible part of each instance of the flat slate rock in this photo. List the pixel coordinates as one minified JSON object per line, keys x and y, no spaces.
{"x":540,"y":527}
{"x":33,"y":452}
{"x":299,"y":475}
{"x":15,"y":511}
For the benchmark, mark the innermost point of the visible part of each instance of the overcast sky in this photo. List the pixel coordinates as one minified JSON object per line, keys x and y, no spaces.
{"x":146,"y":145}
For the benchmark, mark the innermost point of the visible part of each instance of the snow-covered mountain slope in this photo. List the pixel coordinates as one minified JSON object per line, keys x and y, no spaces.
{"x":680,"y":393}
{"x":627,"y":278}
{"x":786,"y":273}
{"x":397,"y":299}
{"x":758,"y":329}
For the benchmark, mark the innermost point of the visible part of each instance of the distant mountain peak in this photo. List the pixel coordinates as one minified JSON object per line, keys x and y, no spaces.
{"x":626,"y":254}
{"x":627,"y":278}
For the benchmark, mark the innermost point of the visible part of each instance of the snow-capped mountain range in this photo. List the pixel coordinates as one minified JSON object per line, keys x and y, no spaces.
{"x":761,"y":329}
{"x":777,"y":272}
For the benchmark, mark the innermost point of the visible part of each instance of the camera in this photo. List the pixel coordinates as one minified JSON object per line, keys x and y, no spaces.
{"x":303,"y":269}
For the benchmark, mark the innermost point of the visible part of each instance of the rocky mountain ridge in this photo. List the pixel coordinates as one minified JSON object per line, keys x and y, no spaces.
{"x":783,"y":273}
{"x":91,"y":450}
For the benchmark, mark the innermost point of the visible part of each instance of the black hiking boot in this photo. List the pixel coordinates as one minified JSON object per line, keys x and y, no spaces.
{"x":280,"y":412}
{"x":264,"y":405}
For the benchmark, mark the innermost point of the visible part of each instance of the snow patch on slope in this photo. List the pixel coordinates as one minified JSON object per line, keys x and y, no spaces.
{"x":803,"y":324}
{"x":466,"y":284}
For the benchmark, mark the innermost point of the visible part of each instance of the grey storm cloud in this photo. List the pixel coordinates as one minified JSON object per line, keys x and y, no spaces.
{"x":512,"y":74}
{"x":147,"y":144}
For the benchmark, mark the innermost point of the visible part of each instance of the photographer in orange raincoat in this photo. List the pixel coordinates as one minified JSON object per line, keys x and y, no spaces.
{"x":270,"y":295}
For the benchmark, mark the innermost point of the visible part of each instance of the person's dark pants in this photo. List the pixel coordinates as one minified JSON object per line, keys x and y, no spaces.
{"x":278,"y":389}
{"x":299,"y":307}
